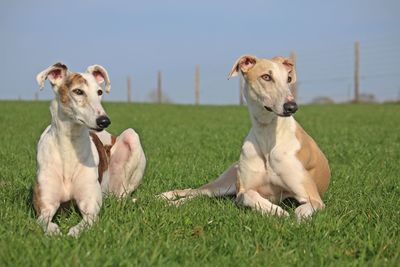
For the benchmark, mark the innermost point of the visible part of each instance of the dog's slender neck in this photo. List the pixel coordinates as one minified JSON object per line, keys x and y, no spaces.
{"x":64,"y":125}
{"x":267,"y":126}
{"x":73,"y":139}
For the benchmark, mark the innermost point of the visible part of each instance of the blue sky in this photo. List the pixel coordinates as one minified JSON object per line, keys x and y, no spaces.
{"x":138,"y":38}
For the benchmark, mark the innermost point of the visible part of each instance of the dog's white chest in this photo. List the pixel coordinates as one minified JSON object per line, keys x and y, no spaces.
{"x":64,"y":164}
{"x":267,"y":155}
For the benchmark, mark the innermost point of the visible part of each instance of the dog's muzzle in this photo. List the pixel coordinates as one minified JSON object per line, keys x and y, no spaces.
{"x":103,"y":122}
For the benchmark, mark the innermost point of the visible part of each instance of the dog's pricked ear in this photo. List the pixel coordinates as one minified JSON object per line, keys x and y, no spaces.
{"x":244,"y":64}
{"x":55,"y":74}
{"x":288,"y":63}
{"x":101,"y":76}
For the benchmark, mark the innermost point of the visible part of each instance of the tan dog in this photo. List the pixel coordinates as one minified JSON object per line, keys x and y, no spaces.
{"x":279,"y":159}
{"x":77,"y":159}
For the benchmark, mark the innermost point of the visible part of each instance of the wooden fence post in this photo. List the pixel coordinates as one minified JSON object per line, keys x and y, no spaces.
{"x":159,"y":87}
{"x":357,"y":72}
{"x":197,"y":85}
{"x":129,"y":89}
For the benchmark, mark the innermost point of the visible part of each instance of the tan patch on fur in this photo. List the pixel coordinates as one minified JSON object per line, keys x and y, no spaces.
{"x":314,"y":162}
{"x":74,"y":79}
{"x":71,"y":81}
{"x":37,"y":202}
{"x":108,"y":147}
{"x":113,"y":140}
{"x":261,"y":67}
{"x":104,"y":157}
{"x":63,"y":94}
{"x":290,"y":66}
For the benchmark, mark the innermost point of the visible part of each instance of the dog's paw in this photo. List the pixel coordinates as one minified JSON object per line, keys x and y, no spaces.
{"x":53,"y":229}
{"x":175,"y":194}
{"x":282,"y":213}
{"x":74,"y":231}
{"x":274,"y":211}
{"x":166,"y":196}
{"x":278,"y":211}
{"x":177,"y":197}
{"x":179,"y":201}
{"x":304,"y":211}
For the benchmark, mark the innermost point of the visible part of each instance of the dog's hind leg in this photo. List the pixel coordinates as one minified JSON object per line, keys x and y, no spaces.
{"x":224,"y":185}
{"x":127,"y":164}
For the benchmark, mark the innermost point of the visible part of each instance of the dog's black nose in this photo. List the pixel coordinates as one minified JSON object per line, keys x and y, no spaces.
{"x":290,"y":107}
{"x":103,"y":122}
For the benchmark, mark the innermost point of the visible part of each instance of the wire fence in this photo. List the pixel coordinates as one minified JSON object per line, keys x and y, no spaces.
{"x":330,"y":72}
{"x":323,"y":73}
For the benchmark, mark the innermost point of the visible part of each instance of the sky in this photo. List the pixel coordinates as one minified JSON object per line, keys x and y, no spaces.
{"x":139,"y":38}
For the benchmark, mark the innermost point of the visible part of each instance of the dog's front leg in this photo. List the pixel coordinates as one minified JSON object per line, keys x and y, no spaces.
{"x":46,"y":215}
{"x":89,"y":200}
{"x":251,"y":198}
{"x":252,"y":175}
{"x":308,"y":197}
{"x":46,"y":205}
{"x":89,"y":209}
{"x":297,"y":181}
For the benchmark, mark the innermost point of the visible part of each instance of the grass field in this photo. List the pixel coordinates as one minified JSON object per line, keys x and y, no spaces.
{"x":187,"y":146}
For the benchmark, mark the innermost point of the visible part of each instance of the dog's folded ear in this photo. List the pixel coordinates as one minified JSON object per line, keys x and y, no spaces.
{"x":101,"y":76}
{"x":288,"y":63}
{"x":55,"y":74}
{"x":243,"y":64}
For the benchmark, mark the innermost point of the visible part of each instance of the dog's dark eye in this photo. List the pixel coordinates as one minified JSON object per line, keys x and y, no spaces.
{"x":78,"y":92}
{"x":266,"y":77}
{"x":99,"y":92}
{"x":289,"y":79}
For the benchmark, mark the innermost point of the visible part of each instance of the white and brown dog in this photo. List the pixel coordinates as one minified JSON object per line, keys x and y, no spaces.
{"x":77,"y":159}
{"x":279,"y":159}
